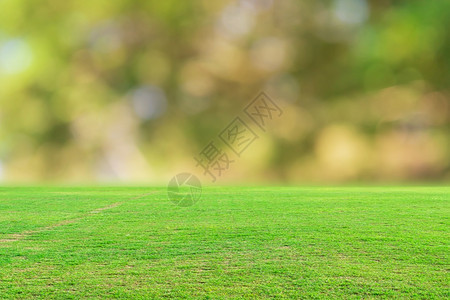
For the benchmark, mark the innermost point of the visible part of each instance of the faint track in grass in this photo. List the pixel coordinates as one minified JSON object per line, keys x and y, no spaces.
{"x":99,"y":210}
{"x":15,"y":237}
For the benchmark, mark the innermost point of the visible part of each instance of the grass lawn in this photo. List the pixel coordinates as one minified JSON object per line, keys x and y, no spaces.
{"x":260,"y":242}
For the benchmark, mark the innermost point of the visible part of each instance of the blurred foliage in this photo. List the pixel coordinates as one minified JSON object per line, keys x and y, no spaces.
{"x":133,"y":90}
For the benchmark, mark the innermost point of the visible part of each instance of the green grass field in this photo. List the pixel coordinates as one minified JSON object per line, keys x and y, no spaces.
{"x":261,"y":242}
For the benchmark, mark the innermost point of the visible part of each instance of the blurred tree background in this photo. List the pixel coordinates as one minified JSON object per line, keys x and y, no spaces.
{"x":133,"y":90}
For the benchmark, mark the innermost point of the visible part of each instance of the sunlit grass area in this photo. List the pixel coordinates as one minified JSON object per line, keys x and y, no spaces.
{"x":360,"y":242}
